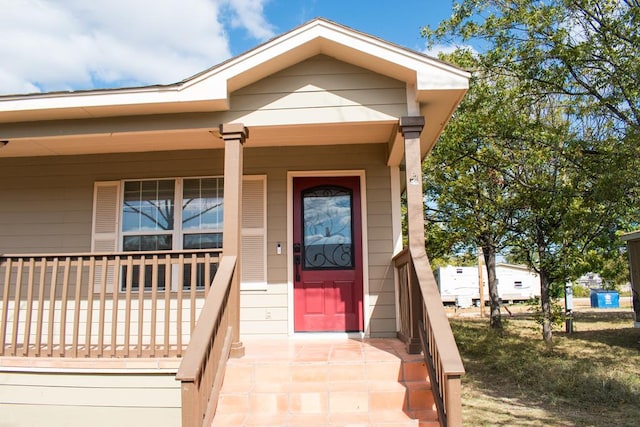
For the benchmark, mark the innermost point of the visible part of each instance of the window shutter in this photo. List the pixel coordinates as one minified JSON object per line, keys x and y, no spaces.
{"x":106,"y":209}
{"x":254,"y":233}
{"x":105,"y":228}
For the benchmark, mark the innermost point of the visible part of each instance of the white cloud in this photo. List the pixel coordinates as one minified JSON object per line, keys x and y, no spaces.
{"x":249,"y":15}
{"x":49,"y":45}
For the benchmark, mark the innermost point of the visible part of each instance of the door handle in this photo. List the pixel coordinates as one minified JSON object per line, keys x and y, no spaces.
{"x":296,"y":261}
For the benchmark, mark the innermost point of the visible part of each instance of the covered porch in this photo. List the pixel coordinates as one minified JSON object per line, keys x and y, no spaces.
{"x":179,"y":311}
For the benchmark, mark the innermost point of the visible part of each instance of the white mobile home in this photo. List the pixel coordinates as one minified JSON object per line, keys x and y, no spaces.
{"x":515,"y":283}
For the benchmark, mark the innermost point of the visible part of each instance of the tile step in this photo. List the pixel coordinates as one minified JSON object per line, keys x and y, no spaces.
{"x":355,"y":384}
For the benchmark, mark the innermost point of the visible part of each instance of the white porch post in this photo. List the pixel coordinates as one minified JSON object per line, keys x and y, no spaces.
{"x":234,"y":135}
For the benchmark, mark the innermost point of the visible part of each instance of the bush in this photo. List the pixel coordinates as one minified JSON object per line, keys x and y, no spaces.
{"x":580,"y":291}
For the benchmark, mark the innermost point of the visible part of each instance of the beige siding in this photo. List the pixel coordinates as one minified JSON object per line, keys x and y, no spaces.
{"x":318,"y":90}
{"x":95,"y":399}
{"x":46,"y":202}
{"x":46,"y":206}
{"x":276,"y":163}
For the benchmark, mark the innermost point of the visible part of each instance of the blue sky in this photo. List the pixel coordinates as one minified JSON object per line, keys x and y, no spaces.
{"x":397,"y":21}
{"x":60,"y":45}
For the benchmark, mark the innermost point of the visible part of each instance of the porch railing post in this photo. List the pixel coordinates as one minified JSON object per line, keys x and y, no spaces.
{"x":411,"y":127}
{"x":234,"y":135}
{"x":416,"y":311}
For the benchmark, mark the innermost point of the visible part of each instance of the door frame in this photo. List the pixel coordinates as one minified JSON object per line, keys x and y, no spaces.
{"x":365,"y":249}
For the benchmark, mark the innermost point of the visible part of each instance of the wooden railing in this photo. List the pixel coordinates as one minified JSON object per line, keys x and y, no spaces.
{"x":202,"y":368}
{"x":102,"y":305}
{"x":425,"y":328}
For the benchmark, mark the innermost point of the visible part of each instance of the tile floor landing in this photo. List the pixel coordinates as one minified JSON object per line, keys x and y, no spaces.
{"x":326,"y":382}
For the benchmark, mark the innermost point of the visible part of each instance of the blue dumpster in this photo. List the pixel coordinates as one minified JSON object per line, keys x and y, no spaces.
{"x":602,"y":298}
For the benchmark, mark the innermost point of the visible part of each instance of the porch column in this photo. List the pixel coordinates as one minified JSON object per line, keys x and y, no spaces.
{"x":411,"y":127}
{"x":633,"y":247}
{"x":234,"y":135}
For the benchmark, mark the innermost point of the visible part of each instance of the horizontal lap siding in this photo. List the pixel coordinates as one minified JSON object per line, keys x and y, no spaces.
{"x":39,"y":215}
{"x":94,"y":399}
{"x":268,"y":314}
{"x":381,"y":272}
{"x":318,"y":90}
{"x":46,"y":202}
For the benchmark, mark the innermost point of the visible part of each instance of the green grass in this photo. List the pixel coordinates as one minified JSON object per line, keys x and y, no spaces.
{"x":588,"y":378}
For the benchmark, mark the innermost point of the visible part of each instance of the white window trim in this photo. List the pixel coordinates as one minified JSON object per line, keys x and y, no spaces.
{"x":366,"y":308}
{"x":116,"y":234}
{"x":177,"y":233}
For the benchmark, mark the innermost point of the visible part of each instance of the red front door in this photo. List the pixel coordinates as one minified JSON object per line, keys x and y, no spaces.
{"x":327,"y":254}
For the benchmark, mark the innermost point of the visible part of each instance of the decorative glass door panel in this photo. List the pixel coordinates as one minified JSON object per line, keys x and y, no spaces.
{"x":327,"y":254}
{"x":327,"y":228}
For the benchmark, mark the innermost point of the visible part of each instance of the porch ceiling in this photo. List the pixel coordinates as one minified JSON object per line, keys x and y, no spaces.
{"x":124,"y":141}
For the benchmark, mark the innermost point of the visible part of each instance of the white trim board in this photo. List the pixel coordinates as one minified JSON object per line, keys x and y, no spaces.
{"x":366,"y":312}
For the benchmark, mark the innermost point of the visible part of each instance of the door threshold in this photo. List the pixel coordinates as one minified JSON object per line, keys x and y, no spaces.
{"x":327,"y":335}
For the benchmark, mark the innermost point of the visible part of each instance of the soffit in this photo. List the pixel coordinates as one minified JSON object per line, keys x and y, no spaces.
{"x":194,"y":139}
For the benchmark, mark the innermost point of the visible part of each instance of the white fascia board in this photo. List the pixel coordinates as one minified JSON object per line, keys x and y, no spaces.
{"x":428,"y":73}
{"x":633,"y":235}
{"x":219,"y":76}
{"x":106,"y":98}
{"x":441,"y":79}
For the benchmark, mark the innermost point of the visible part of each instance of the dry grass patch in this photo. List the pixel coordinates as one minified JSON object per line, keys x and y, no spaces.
{"x":588,"y":378}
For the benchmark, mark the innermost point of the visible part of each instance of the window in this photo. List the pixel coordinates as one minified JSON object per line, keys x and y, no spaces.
{"x":187,"y":278}
{"x":148,"y":215}
{"x":179,"y":214}
{"x":327,"y":224}
{"x":202,"y":209}
{"x":150,"y":221}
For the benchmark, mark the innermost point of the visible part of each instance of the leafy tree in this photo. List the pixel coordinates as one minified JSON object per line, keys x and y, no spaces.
{"x":570,"y":201}
{"x":468,"y":199}
{"x":571,"y":147}
{"x":585,"y":49}
{"x":611,"y":264}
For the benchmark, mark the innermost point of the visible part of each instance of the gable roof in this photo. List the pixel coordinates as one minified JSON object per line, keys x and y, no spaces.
{"x":210,"y":89}
{"x":147,"y":118}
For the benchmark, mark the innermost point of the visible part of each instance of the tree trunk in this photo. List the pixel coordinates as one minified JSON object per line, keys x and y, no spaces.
{"x":545,"y":301}
{"x":489,"y":252}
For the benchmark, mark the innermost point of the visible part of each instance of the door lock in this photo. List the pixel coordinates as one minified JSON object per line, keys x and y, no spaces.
{"x":296,"y":261}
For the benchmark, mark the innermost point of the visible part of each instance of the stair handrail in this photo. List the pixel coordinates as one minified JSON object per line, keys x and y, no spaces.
{"x":202,"y":368}
{"x":425,"y":328}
